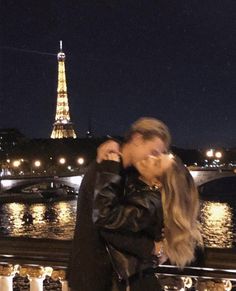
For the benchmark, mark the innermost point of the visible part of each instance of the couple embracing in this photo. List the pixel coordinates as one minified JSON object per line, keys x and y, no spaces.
{"x":137,"y":207}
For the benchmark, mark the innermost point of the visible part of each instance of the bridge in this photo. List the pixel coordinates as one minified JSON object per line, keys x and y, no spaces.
{"x":201,"y":176}
{"x":15,"y":184}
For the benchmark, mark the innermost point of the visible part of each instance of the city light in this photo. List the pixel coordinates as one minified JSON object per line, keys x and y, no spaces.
{"x":214,"y":158}
{"x":80,"y":161}
{"x":218,"y":155}
{"x":37,"y":164}
{"x":210,"y":153}
{"x":16,"y":163}
{"x":62,"y":161}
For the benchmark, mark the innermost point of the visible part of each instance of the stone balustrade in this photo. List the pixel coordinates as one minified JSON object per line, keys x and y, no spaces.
{"x":32,"y":278}
{"x":39,"y":278}
{"x":41,"y":265}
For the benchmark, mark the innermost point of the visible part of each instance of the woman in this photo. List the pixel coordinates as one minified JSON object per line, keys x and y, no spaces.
{"x":163,"y":196}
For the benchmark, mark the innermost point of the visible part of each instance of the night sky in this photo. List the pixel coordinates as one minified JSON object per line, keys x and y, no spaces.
{"x":173,"y":60}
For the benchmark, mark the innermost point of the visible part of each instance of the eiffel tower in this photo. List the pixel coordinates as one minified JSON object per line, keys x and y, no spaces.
{"x":62,"y":127}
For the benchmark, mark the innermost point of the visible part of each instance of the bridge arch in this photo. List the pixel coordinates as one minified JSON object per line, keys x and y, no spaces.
{"x":203,"y":176}
{"x":222,"y":186}
{"x":16,"y":184}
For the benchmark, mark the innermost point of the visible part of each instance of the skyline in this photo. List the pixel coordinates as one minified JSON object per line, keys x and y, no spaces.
{"x":174,"y":62}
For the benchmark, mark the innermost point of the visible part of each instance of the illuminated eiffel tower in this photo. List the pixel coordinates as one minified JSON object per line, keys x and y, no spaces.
{"x":62,"y":127}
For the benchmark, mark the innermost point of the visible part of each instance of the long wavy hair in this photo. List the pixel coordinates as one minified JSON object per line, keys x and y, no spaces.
{"x":181,"y":208}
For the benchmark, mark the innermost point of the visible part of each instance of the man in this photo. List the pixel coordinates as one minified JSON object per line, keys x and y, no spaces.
{"x":90,"y":268}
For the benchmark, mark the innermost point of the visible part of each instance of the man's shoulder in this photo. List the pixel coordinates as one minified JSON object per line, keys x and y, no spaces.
{"x":91,"y":167}
{"x":90,"y":173}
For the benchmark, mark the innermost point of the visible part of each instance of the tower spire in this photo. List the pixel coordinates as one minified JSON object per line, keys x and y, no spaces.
{"x":62,"y":127}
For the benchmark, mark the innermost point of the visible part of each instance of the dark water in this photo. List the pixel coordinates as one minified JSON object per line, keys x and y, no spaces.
{"x":57,"y":221}
{"x":39,"y":220}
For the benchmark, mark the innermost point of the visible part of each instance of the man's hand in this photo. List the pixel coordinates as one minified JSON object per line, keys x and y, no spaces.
{"x":106,"y":149}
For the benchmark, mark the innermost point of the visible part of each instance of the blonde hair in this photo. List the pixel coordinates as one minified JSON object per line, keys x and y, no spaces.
{"x":181,"y":208}
{"x":149,"y":128}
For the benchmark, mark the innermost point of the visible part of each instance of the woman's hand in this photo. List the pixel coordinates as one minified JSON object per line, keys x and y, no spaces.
{"x":159,"y":252}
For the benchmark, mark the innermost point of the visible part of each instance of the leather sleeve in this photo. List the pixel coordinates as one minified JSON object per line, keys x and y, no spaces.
{"x":134,"y":243}
{"x":109,"y":213}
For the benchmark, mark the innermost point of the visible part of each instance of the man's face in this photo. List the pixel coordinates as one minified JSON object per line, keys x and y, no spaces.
{"x":143,"y":148}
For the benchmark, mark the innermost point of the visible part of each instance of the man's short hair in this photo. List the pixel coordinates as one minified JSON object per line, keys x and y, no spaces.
{"x":149,"y":128}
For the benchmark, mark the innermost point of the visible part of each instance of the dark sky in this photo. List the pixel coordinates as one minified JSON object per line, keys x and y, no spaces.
{"x":173,"y":60}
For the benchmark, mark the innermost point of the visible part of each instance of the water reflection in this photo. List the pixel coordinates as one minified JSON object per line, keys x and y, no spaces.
{"x":217,"y":224}
{"x":49,"y":220}
{"x":63,"y":214}
{"x":16,"y":212}
{"x":57,"y":221}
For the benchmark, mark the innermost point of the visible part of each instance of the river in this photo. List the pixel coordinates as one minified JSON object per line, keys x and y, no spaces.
{"x":57,"y":221}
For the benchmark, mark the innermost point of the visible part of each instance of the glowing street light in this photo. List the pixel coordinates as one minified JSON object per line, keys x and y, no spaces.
{"x":218,"y":155}
{"x":210,"y":153}
{"x":16,"y":163}
{"x":37,"y":163}
{"x":214,"y":157}
{"x":62,"y":161}
{"x":80,"y":161}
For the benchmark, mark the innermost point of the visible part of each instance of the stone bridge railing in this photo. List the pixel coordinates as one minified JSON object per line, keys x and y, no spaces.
{"x":40,"y":264}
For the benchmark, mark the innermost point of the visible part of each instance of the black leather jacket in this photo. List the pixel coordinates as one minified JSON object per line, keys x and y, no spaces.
{"x":138,"y":209}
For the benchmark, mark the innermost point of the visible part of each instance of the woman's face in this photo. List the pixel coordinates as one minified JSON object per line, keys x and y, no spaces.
{"x":154,"y":167}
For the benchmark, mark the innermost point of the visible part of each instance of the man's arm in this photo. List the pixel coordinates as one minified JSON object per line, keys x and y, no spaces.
{"x":134,"y":243}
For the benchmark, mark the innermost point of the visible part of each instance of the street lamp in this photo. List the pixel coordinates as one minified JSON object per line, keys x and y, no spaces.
{"x":218,"y":155}
{"x":16,"y":163}
{"x":80,"y":161}
{"x":214,"y":157}
{"x":62,"y":161}
{"x":37,"y":163}
{"x":210,"y":153}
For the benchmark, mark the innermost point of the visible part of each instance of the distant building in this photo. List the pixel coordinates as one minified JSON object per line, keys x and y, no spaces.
{"x":10,"y":138}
